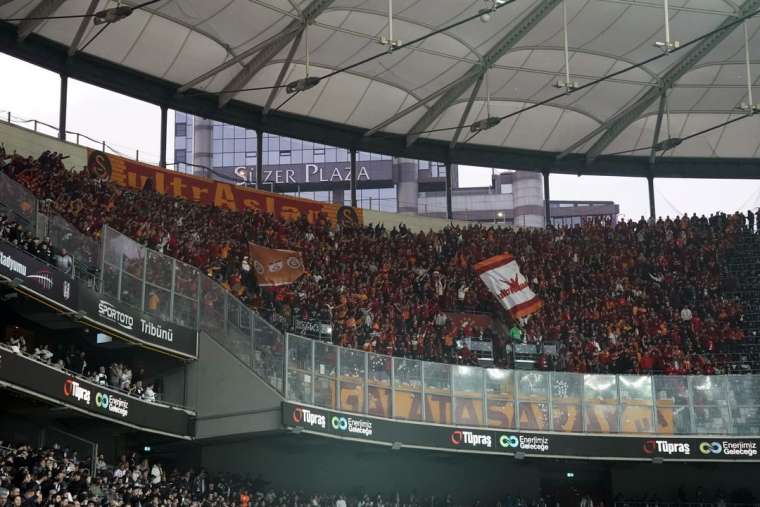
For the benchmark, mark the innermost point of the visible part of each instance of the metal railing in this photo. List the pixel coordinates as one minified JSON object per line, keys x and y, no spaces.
{"x":164,"y":287}
{"x":77,"y":138}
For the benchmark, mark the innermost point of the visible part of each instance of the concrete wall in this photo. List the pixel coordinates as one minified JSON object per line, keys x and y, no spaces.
{"x":319,"y":464}
{"x":665,"y":480}
{"x":415,"y":223}
{"x":228,"y":397}
{"x":528,"y":191}
{"x":31,"y":144}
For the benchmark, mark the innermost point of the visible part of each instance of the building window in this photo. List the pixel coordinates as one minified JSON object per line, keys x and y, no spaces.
{"x":285,"y":153}
{"x":180,"y":156}
{"x":180,"y":129}
{"x":506,"y":188}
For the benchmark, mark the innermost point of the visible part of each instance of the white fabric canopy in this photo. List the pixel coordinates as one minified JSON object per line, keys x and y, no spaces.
{"x":179,"y":40}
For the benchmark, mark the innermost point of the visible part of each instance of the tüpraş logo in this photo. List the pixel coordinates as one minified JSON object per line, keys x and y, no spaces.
{"x":107,"y":310}
{"x":666,"y":447}
{"x":71,"y":388}
{"x":459,"y":437}
{"x":352,"y":425}
{"x":306,"y":416}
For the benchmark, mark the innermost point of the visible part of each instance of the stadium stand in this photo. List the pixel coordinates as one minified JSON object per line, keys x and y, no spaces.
{"x":58,"y":476}
{"x":621,"y":298}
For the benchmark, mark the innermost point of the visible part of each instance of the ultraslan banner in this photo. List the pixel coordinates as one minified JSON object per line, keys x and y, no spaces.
{"x":502,"y":276}
{"x":129,"y":173}
{"x":34,"y":378}
{"x":133,"y":325}
{"x":36,"y":276}
{"x":530,"y":444}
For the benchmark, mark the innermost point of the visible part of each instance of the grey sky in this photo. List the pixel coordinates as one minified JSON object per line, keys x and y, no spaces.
{"x":129,"y":125}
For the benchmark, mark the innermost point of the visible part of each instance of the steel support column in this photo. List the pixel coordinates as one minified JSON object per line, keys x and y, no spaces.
{"x":449,"y":210}
{"x":650,"y":182}
{"x":547,"y":208}
{"x":259,"y":159}
{"x":353,"y":178}
{"x":62,"y":107}
{"x":164,"y":127}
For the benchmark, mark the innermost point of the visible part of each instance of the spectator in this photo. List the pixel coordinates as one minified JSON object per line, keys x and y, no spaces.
{"x":100,"y":377}
{"x":610,"y":290}
{"x":64,"y":262}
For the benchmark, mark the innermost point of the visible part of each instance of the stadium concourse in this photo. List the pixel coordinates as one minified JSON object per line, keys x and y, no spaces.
{"x":629,"y":297}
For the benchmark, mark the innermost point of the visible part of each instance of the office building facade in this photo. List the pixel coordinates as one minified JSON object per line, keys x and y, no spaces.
{"x":383,"y":183}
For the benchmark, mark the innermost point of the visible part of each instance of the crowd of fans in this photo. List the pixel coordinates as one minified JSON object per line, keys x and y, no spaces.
{"x":57,"y":477}
{"x":117,"y":375}
{"x":42,"y":477}
{"x":43,"y":249}
{"x":623,"y":297}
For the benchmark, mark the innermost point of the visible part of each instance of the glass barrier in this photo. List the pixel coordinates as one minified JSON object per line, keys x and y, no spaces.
{"x":162,"y":286}
{"x":18,"y":203}
{"x":406,"y":389}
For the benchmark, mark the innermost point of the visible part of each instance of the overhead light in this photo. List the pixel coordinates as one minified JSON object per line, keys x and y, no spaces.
{"x":754,"y":108}
{"x":392,"y":44}
{"x":567,"y":85}
{"x":668,"y":144}
{"x":668,"y":46}
{"x":301,"y":85}
{"x":112,"y":15}
{"x":485,"y":124}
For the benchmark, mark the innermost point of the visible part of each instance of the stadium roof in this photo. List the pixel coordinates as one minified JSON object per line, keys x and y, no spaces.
{"x":171,"y":51}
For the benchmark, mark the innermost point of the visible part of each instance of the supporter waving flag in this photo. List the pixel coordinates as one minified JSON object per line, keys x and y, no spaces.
{"x":275,"y":267}
{"x":502,"y":276}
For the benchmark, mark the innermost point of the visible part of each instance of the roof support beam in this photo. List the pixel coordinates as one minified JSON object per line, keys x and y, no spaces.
{"x":625,"y":118}
{"x":74,"y":46}
{"x":657,"y":126}
{"x":258,"y":62}
{"x":232,"y":61}
{"x":421,"y":102}
{"x":43,"y":9}
{"x":507,"y":42}
{"x":466,"y":113}
{"x":283,"y":72}
{"x":580,"y":142}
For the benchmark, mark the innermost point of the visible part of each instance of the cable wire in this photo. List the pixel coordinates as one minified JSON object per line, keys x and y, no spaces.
{"x":401,"y":46}
{"x":72,"y":16}
{"x":690,"y":136}
{"x":102,"y":29}
{"x":619,"y":72}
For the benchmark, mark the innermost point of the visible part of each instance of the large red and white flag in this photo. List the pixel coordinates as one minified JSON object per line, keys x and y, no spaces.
{"x":502,"y":276}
